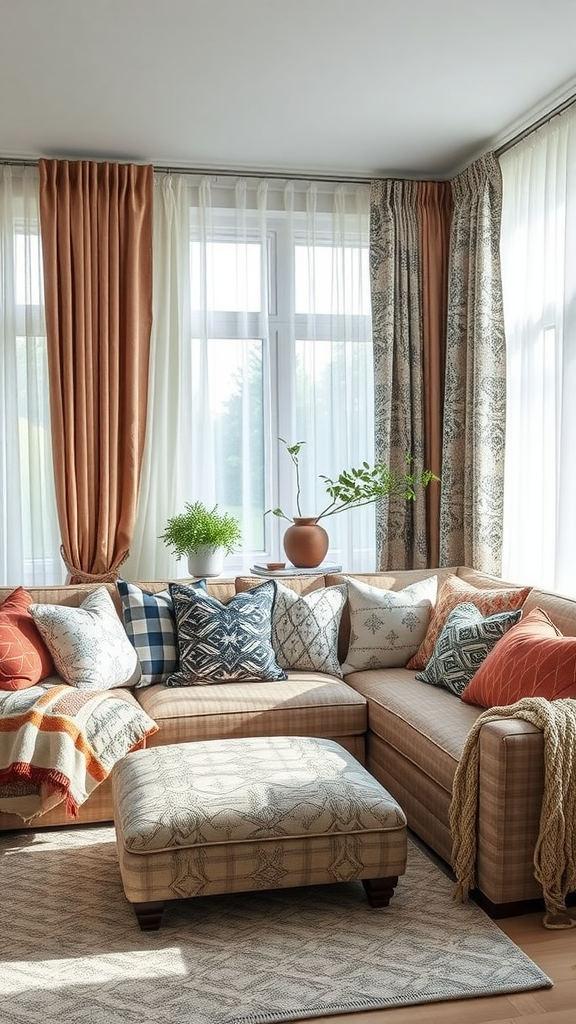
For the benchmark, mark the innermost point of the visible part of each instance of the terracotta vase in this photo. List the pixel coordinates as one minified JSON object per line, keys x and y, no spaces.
{"x":306,"y":543}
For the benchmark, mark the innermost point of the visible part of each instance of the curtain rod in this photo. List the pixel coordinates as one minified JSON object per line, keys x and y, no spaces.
{"x":282,"y":176}
{"x":535,"y":126}
{"x":279,"y":175}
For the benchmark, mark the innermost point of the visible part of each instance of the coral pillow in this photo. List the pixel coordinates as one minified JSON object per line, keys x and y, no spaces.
{"x":24,"y":658}
{"x":533,"y":659}
{"x":455,"y":591}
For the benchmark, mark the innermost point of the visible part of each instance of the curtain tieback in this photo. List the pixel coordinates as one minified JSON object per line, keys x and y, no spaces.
{"x":79,"y":576}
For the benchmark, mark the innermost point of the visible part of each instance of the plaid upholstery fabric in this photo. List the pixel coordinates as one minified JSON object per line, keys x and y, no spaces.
{"x":150,"y":625}
{"x":304,"y":704}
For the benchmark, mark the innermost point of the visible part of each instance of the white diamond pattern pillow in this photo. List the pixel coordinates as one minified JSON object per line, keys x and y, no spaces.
{"x":387,"y":626}
{"x":88,"y":644}
{"x":305,"y":629}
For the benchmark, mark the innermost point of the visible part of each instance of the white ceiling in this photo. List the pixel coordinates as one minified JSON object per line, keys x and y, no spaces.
{"x":335,"y":87}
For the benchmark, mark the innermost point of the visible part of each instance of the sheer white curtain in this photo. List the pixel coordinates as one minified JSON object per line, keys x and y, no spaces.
{"x":539,"y":283}
{"x":333,"y":408}
{"x":261,"y":330}
{"x":29,"y":535}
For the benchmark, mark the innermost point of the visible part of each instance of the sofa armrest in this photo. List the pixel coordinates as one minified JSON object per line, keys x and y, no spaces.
{"x":511,"y":783}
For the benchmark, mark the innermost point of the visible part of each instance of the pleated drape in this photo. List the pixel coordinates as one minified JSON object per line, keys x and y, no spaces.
{"x":96,"y":228}
{"x":439,"y":357}
{"x":474,"y":422}
{"x":409,"y":230}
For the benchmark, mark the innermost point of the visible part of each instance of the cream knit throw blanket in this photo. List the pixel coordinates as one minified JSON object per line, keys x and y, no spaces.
{"x":555,"y":851}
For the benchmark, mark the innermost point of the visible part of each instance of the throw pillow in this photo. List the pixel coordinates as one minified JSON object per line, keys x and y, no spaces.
{"x":455,"y":591}
{"x":305,"y":629}
{"x":387,"y":626}
{"x":24,"y":658}
{"x":151,"y":628}
{"x":533,"y":660}
{"x":464,"y":643}
{"x":88,"y":644}
{"x":220,"y":643}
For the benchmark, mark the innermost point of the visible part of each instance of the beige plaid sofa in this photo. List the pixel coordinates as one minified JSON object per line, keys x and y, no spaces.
{"x":409,"y":735}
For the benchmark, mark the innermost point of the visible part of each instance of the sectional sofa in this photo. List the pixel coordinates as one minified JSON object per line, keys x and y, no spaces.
{"x":409,"y":734}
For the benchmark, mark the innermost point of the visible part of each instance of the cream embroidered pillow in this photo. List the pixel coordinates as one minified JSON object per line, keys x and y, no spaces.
{"x":387,"y":626}
{"x":305,"y":629}
{"x":89,"y":645}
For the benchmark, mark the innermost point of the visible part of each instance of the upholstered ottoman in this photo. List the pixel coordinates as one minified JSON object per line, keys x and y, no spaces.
{"x":235,"y":815}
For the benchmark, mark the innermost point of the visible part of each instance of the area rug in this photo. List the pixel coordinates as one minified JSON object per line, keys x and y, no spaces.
{"x":71,"y":950}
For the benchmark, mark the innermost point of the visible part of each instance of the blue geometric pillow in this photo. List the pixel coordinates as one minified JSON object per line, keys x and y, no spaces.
{"x":466,"y":639}
{"x":221,"y":643}
{"x":150,"y":625}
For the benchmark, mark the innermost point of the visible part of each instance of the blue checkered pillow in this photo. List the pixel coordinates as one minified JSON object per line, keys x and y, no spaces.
{"x":151,"y":627}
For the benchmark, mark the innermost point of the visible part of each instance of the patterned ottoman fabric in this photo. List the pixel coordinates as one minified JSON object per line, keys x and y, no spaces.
{"x":216,"y":816}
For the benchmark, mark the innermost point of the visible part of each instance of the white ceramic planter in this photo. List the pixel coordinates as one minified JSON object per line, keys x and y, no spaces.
{"x":206,"y":561}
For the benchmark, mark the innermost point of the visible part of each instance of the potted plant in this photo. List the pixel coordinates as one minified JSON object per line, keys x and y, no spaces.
{"x":204,"y":535}
{"x":362,"y":485}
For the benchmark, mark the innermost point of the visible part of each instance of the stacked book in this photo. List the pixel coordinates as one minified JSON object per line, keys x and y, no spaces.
{"x":261,"y":569}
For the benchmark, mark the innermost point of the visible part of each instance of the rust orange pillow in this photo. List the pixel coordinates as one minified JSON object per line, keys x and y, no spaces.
{"x":24,"y":658}
{"x":455,"y":591}
{"x":533,"y":659}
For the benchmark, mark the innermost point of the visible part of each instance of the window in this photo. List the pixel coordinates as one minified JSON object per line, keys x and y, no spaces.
{"x":273,"y":339}
{"x":29,"y":538}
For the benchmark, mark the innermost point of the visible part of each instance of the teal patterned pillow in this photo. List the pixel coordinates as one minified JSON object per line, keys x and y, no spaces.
{"x":221,"y":643}
{"x":466,"y":639}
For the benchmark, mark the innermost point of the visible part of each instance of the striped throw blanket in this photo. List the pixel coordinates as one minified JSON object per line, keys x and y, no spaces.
{"x":58,"y":743}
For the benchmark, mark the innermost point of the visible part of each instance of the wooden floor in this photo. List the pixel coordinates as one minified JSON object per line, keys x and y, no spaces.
{"x":554,"y":952}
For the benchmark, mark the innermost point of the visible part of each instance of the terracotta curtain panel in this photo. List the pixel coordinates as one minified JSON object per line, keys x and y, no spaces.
{"x":96,"y":227}
{"x":434,"y":205}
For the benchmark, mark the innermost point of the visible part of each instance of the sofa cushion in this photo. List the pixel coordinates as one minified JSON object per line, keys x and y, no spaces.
{"x":455,"y":591}
{"x":224,"y":642}
{"x":151,"y":628}
{"x":386,"y":626}
{"x":305,"y":629}
{"x":304,"y":704}
{"x":425,"y":724}
{"x":24,"y":657}
{"x":532,"y":660}
{"x":559,"y":609}
{"x":465,"y":641}
{"x":88,"y":644}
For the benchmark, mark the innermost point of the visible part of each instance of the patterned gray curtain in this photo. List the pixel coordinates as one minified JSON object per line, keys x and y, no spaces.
{"x":471,"y":504}
{"x":396,"y":282}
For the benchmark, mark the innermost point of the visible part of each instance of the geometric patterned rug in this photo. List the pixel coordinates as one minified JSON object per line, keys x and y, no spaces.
{"x":71,"y":950}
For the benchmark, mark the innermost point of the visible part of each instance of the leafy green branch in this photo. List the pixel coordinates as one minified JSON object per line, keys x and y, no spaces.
{"x":360,"y":485}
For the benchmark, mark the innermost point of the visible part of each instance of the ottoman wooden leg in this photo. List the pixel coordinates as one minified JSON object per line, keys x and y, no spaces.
{"x":379,"y":891}
{"x":149,"y":915}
